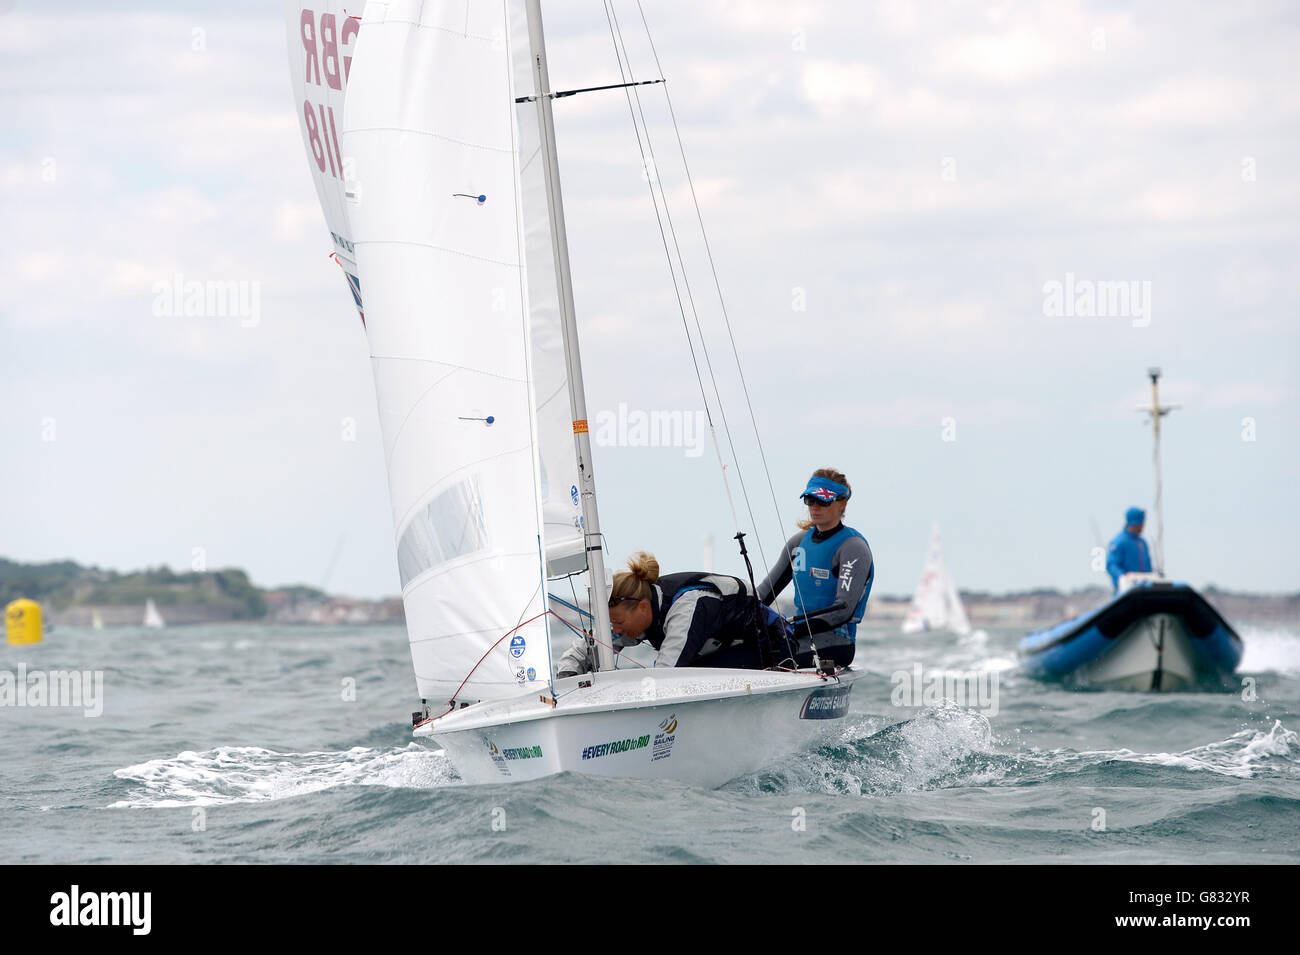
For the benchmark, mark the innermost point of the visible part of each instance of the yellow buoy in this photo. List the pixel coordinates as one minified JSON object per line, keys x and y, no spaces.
{"x":23,"y":621}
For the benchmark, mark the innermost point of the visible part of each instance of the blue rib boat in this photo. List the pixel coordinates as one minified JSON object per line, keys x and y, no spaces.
{"x":1156,"y":635}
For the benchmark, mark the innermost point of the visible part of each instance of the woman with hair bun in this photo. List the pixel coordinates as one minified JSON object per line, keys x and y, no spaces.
{"x":832,"y":569}
{"x":692,"y":619}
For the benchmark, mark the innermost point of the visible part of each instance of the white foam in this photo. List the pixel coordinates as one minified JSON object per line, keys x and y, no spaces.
{"x":1240,"y":755}
{"x":1270,"y":651}
{"x":937,"y":739}
{"x":232,"y":774}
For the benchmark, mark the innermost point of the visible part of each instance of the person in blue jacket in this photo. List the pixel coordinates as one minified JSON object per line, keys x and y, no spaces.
{"x":1128,"y":551}
{"x":831,"y":566}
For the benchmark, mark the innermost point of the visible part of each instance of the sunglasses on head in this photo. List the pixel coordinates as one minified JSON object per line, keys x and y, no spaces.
{"x":811,"y":499}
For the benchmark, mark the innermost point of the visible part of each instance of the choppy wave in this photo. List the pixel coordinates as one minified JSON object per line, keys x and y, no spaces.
{"x":231,"y":774}
{"x":1270,"y":651}
{"x":941,"y":746}
{"x":948,"y":746}
{"x":1250,"y":753}
{"x":1244,"y":754}
{"x":1189,"y":777}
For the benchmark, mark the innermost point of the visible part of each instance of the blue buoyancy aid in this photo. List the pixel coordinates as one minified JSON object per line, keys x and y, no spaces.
{"x":816,"y":583}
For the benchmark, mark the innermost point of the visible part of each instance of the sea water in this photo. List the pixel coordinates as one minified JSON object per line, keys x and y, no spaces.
{"x":293,"y":745}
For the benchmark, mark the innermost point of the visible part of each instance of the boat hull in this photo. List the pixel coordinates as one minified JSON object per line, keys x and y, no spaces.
{"x":698,"y":726}
{"x":1155,"y":636}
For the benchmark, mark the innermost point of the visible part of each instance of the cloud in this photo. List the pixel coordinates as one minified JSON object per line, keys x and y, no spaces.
{"x":831,"y":85}
{"x":1244,"y":394}
{"x":817,"y":134}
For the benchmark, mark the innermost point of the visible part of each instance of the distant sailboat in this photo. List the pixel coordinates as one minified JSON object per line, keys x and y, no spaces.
{"x":935,"y":605}
{"x":152,"y":618}
{"x":96,"y":621}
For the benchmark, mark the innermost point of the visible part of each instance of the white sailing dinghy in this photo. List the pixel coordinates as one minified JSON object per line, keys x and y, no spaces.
{"x":152,"y":618}
{"x":936,"y":604}
{"x":430,"y":137}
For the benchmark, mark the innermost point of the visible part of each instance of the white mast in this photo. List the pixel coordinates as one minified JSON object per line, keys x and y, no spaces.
{"x":1156,"y":412}
{"x":578,"y":398}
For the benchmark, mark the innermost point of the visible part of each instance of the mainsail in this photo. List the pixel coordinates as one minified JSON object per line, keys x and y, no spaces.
{"x":322,"y":40}
{"x":935,"y":604}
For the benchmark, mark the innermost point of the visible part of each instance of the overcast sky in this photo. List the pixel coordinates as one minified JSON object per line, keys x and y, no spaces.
{"x":889,"y":188}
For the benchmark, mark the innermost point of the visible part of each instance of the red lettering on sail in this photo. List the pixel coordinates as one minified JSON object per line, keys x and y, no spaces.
{"x":308,"y":26}
{"x":313,"y":135}
{"x":351,"y":26}
{"x":334,"y":137}
{"x":330,"y":51}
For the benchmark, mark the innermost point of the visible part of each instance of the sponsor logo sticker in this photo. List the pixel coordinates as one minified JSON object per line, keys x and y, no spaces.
{"x":826,"y":703}
{"x":497,"y":759}
{"x":523,"y":752}
{"x":616,"y":746}
{"x":664,"y":739}
{"x":518,"y":645}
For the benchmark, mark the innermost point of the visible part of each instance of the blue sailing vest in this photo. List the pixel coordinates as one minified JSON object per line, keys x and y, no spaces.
{"x":816,"y":585}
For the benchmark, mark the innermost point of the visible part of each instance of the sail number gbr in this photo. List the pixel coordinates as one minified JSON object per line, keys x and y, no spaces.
{"x":327,"y":61}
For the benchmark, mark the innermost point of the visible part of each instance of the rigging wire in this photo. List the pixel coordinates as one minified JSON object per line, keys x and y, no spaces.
{"x":717,"y":284}
{"x":651,"y":170}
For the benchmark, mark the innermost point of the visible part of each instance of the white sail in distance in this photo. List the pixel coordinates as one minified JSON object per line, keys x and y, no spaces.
{"x":936,"y":604}
{"x":152,"y":618}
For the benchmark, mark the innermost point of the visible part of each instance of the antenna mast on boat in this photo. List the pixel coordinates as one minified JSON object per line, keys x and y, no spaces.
{"x":1156,"y":412}
{"x":577,"y":395}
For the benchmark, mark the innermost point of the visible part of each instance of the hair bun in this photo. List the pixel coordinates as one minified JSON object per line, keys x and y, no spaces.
{"x":644,"y":566}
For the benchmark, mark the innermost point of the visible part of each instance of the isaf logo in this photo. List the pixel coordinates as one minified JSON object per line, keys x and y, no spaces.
{"x":664,"y":739}
{"x":497,"y":759}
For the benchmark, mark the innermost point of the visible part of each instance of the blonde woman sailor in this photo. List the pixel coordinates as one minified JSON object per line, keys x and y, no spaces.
{"x":692,"y":619}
